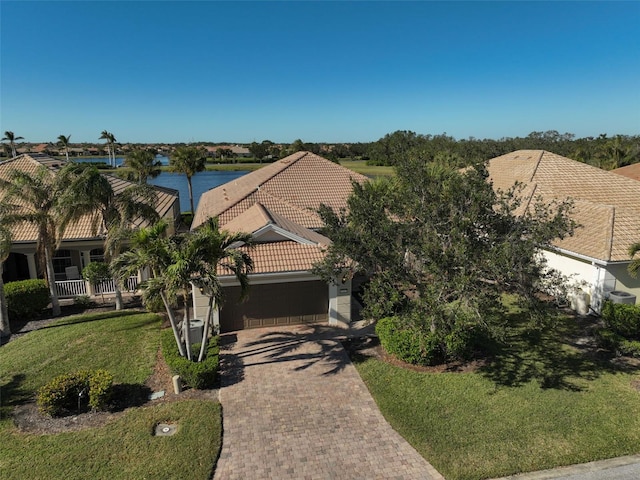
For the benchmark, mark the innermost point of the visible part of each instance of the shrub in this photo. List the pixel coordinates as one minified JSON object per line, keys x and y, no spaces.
{"x":82,"y":301}
{"x":74,"y":392}
{"x":96,"y":272}
{"x":622,"y":319}
{"x":617,"y":344}
{"x":409,"y":343}
{"x":26,"y":298}
{"x":197,"y":375}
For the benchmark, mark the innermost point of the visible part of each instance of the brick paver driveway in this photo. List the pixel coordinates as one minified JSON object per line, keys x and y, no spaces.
{"x":294,"y":407}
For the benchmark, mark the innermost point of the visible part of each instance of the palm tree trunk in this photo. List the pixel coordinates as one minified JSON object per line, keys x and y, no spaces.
{"x":5,"y":328}
{"x":193,"y":212}
{"x":205,"y":330}
{"x":172,"y":321}
{"x":51,"y":280}
{"x":187,"y":324}
{"x":118,"y":294}
{"x":66,"y":150}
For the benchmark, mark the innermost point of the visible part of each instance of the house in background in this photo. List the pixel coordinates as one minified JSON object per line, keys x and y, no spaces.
{"x":278,"y":204}
{"x":630,"y":171}
{"x":79,"y":245}
{"x":606,"y":206}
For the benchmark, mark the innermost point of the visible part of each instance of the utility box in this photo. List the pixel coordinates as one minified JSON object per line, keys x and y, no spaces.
{"x":618,"y":296}
{"x":195,"y":330}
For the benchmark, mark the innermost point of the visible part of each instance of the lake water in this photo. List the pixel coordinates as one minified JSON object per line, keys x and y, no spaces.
{"x":201,"y":182}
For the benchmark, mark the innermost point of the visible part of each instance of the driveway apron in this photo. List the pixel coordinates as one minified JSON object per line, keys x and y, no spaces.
{"x":294,"y":407}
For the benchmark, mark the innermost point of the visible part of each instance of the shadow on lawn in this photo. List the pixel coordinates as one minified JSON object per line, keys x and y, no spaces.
{"x":559,"y":356}
{"x":12,"y":394}
{"x":281,"y":347}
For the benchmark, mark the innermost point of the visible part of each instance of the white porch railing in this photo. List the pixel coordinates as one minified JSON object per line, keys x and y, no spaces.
{"x":74,"y":288}
{"x":109,"y":286}
{"x":71,"y":288}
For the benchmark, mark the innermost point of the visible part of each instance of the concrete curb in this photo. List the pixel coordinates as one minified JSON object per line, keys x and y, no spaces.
{"x":582,"y":468}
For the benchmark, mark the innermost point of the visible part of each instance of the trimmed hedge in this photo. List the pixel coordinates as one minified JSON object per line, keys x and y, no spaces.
{"x":26,"y":298}
{"x":622,"y":319}
{"x":75,"y":392}
{"x":198,"y":375}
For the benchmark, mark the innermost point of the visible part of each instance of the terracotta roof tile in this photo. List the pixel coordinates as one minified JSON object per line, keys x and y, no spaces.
{"x":82,"y":228}
{"x":277,"y":257}
{"x":295,"y":186}
{"x":607,"y":204}
{"x":630,"y":171}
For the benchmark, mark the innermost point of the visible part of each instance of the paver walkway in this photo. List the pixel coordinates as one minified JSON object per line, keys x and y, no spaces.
{"x":294,"y":407}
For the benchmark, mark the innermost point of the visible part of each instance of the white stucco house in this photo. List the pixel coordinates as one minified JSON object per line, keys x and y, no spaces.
{"x":607,"y":209}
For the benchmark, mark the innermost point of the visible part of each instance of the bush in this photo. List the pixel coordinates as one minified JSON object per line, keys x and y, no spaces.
{"x":408,"y":343}
{"x":74,"y":392}
{"x":83,"y":301}
{"x":622,"y":319}
{"x":617,"y":344}
{"x":26,"y":298}
{"x":197,"y":375}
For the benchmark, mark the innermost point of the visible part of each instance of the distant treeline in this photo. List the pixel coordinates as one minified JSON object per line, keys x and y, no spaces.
{"x":602,"y":151}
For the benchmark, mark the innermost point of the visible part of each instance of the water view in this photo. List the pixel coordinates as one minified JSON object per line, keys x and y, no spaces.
{"x":201,"y":182}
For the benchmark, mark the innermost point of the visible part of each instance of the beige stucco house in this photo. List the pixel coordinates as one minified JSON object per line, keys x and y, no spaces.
{"x":79,"y":245}
{"x":606,"y":206}
{"x":278,"y":205}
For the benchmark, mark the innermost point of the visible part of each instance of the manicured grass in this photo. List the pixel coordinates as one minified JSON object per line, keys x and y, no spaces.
{"x":361,"y":166}
{"x":539,"y":404}
{"x":125,"y":343}
{"x":123,"y":449}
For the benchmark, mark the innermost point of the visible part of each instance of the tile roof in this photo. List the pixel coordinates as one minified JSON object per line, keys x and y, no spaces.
{"x":82,"y":228}
{"x":607,"y":206}
{"x":284,"y":194}
{"x":294,"y":187}
{"x":278,"y":257}
{"x":630,"y":171}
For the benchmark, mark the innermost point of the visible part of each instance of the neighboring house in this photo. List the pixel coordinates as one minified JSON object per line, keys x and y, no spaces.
{"x":630,"y":171}
{"x":278,"y":204}
{"x":79,"y":245}
{"x":606,"y":207}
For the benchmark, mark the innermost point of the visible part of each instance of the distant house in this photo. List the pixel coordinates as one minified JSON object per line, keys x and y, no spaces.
{"x":80,"y":245}
{"x":278,"y":204}
{"x":607,"y":208}
{"x":236,"y":150}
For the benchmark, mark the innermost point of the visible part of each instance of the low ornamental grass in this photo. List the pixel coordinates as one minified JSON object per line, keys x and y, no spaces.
{"x":540,"y":403}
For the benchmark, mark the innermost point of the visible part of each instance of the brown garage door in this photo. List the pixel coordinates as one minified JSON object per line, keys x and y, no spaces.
{"x":275,"y":304}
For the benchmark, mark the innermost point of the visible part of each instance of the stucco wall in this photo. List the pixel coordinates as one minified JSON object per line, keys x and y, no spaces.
{"x":624,"y":281}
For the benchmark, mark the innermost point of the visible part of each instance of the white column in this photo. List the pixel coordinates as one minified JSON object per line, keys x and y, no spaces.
{"x":340,"y":303}
{"x":31,"y":262}
{"x":86,"y":257}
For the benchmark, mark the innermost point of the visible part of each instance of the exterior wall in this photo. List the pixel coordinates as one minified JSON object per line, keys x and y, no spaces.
{"x":338,"y":308}
{"x":598,"y":279}
{"x":624,"y":281}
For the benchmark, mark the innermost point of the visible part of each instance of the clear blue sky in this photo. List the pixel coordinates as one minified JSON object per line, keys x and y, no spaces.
{"x":151,"y":71}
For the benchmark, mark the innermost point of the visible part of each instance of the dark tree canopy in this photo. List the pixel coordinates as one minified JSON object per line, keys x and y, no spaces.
{"x":440,"y":246}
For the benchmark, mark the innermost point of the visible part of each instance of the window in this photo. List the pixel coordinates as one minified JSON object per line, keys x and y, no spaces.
{"x":61,"y":260}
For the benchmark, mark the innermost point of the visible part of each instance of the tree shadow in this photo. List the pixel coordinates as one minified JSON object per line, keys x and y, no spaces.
{"x":561,"y":355}
{"x":12,"y":394}
{"x":126,"y":395}
{"x":307,"y":346}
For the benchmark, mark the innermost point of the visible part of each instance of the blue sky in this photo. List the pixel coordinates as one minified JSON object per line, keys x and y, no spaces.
{"x":152,"y":71}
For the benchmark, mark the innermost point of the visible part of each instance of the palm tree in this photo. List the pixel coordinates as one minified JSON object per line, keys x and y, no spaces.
{"x":188,"y":160}
{"x":64,"y":142}
{"x":634,"y":266}
{"x":11,"y":138}
{"x":143,"y":165}
{"x":182,"y":262}
{"x":36,"y":199}
{"x":112,"y":215}
{"x":111,"y":140}
{"x":5,"y":247}
{"x":218,"y":248}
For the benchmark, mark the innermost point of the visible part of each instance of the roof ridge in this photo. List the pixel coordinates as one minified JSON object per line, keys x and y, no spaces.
{"x":542,"y":152}
{"x":251,"y":190}
{"x":610,"y":232}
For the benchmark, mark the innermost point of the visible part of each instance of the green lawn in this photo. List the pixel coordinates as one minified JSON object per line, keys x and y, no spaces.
{"x":125,"y":343}
{"x":539,"y":404}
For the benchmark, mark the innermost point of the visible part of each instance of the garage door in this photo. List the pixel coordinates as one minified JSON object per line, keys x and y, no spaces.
{"x":275,"y":304}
